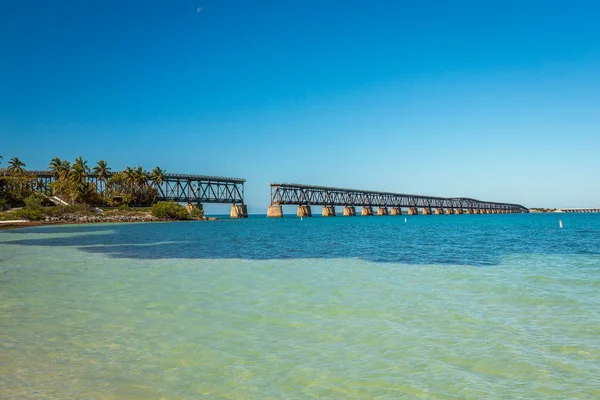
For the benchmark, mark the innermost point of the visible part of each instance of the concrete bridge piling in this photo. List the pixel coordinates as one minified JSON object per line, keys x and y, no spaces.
{"x":382,"y":211}
{"x":275,"y":212}
{"x":349,"y":211}
{"x":239,"y":211}
{"x":304,"y":211}
{"x":328,"y":211}
{"x":396,"y":211}
{"x":426,"y":210}
{"x":367,"y":211}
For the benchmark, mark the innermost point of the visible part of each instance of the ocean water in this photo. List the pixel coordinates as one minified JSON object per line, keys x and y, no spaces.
{"x":437,"y":307}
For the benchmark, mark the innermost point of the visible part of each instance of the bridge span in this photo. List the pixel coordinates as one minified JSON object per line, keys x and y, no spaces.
{"x":182,"y":188}
{"x":306,"y":196}
{"x":579,"y":210}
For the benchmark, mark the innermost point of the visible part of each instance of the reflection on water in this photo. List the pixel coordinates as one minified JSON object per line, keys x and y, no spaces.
{"x":344,"y":308}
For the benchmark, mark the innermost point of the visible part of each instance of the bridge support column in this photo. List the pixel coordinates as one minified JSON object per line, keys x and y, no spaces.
{"x":304,"y":211}
{"x":471,"y":211}
{"x":328,"y":211}
{"x":382,"y":211}
{"x":413,"y":211}
{"x":448,"y":211}
{"x":458,"y":211}
{"x":396,"y":211}
{"x":275,"y":212}
{"x":426,"y":210}
{"x":349,"y":211}
{"x":190,"y":208}
{"x":367,"y":211}
{"x":439,"y":211}
{"x":239,"y":211}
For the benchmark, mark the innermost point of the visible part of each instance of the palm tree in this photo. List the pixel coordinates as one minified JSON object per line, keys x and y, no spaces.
{"x":63,"y":170}
{"x":130,"y":178}
{"x":141,"y":177}
{"x":55,"y":166}
{"x":102,"y":170}
{"x":158,"y":176}
{"x":77,"y":174}
{"x":16,"y":166}
{"x":81,"y":164}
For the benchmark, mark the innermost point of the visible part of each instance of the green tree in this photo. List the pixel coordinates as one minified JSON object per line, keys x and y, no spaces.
{"x":158,"y":175}
{"x":16,"y":166}
{"x":55,"y":166}
{"x":102,"y":170}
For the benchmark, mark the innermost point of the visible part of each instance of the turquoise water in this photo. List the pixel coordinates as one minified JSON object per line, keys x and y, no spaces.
{"x":437,"y":307}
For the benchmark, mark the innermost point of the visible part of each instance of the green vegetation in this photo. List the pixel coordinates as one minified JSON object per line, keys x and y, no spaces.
{"x":72,"y":184}
{"x":542,"y":210}
{"x":125,"y":193}
{"x":169,"y":210}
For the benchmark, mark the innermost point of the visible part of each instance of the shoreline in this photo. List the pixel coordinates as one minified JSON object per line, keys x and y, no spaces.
{"x":81,"y":220}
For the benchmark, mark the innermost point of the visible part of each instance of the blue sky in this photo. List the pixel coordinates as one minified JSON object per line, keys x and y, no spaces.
{"x":496,"y":100}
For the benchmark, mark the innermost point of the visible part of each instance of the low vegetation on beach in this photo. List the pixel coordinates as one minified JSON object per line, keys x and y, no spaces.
{"x":126,"y":196}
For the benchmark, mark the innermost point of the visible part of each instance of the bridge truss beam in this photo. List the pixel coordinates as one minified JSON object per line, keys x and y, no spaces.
{"x":296,"y":194}
{"x":174,"y":187}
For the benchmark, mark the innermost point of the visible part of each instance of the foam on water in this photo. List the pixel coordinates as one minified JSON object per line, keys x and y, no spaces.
{"x":341,"y":308}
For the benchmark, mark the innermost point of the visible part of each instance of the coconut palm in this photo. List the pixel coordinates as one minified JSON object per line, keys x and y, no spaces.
{"x":78,"y":174}
{"x":55,"y":166}
{"x":102,"y":170}
{"x":158,"y":176}
{"x":141,"y":177}
{"x":63,"y":170}
{"x":81,"y":164}
{"x":129,"y":178}
{"x":16,"y":166}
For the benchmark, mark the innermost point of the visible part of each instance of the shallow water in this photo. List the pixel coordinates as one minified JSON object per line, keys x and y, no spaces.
{"x":438,"y":307}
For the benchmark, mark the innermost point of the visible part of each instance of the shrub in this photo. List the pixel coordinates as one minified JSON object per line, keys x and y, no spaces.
{"x":169,"y":210}
{"x":196,"y":213}
{"x":3,"y":205}
{"x":34,"y":202}
{"x":30,"y":214}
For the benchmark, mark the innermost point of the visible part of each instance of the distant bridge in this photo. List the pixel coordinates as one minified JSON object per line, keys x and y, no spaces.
{"x":579,"y":210}
{"x":181,"y":188}
{"x":305,"y":196}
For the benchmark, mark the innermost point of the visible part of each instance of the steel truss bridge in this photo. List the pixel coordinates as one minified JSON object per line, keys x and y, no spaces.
{"x":307,"y":195}
{"x":580,"y":210}
{"x":174,"y":187}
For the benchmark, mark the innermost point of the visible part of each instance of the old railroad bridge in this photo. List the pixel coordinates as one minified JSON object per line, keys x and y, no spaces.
{"x":305,"y":196}
{"x":198,"y":189}
{"x":182,"y":188}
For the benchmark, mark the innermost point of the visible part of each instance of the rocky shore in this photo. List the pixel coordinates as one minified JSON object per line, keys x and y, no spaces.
{"x":88,"y":219}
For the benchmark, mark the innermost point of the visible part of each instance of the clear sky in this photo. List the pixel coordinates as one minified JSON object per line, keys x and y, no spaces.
{"x":495,"y":100}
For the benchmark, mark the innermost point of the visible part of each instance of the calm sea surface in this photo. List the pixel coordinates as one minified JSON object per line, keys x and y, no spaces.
{"x":437,"y":307}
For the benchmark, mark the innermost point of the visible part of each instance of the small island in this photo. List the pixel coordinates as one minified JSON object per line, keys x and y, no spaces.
{"x":125,"y":196}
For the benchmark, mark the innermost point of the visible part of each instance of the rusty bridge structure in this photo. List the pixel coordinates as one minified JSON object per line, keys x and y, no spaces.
{"x":182,"y":188}
{"x":306,"y":196}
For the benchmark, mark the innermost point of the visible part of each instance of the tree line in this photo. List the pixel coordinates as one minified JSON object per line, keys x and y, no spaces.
{"x":132,"y":186}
